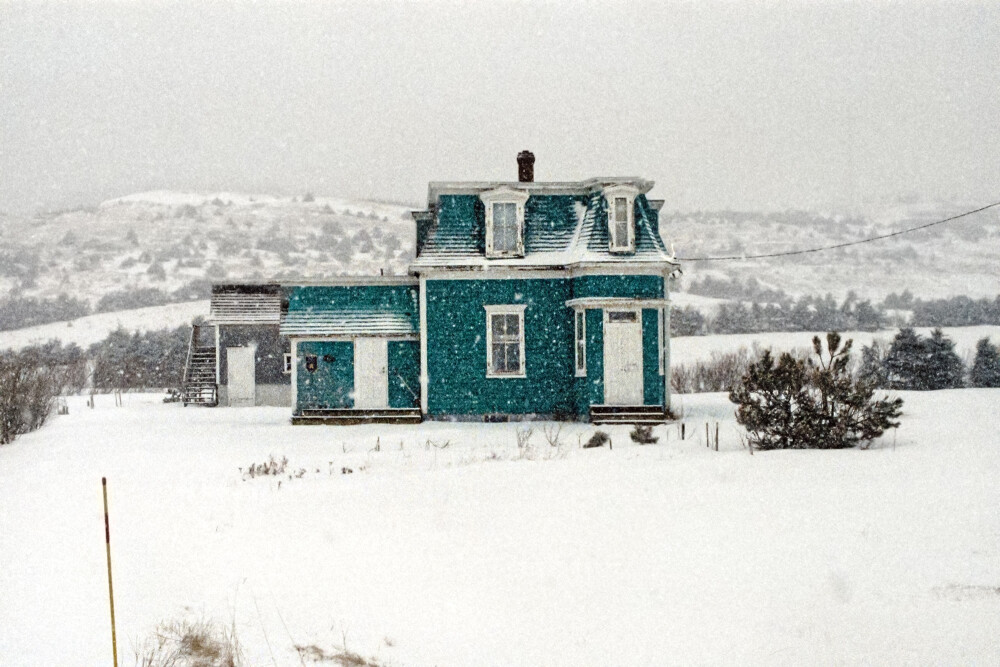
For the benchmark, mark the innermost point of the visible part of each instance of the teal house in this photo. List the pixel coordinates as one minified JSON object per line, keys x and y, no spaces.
{"x":525,"y":300}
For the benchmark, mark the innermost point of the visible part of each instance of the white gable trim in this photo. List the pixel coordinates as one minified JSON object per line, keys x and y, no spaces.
{"x":504,"y":195}
{"x":629,"y":193}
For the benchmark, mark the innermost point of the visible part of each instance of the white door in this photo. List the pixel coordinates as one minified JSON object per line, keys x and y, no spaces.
{"x":242,"y":380}
{"x":622,"y":357}
{"x":371,"y":373}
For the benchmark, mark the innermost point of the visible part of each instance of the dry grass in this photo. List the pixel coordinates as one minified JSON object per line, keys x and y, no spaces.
{"x":342,"y":657}
{"x":190,"y":644}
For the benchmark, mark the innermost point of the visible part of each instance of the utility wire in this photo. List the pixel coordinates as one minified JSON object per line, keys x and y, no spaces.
{"x":838,"y":245}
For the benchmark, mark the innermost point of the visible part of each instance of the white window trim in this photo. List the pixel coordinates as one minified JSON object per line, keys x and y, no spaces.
{"x":504,"y":195}
{"x":503,"y":309}
{"x":629,"y":192}
{"x":288,"y":363}
{"x":581,"y":369}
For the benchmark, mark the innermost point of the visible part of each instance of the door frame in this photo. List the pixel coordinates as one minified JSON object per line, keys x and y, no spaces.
{"x":253,"y":375}
{"x":627,"y":390}
{"x":379,"y":346}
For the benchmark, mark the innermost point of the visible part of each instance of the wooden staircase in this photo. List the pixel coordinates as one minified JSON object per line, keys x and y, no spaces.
{"x":199,"y":387}
{"x":348,"y":416}
{"x":628,"y":414}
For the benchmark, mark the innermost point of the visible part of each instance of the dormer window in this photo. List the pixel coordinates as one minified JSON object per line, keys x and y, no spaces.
{"x":621,"y":218}
{"x":504,"y":222}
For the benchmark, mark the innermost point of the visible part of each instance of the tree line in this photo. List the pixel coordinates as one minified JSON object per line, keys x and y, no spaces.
{"x":759,"y":310}
{"x":18,"y":311}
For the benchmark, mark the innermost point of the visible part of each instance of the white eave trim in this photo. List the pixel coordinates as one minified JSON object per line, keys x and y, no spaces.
{"x":616,"y":302}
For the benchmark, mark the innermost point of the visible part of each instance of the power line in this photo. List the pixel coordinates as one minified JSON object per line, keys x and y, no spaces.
{"x":837,"y":245}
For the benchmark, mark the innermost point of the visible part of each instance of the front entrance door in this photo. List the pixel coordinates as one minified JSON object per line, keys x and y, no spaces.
{"x":371,"y":373}
{"x":622,"y":357}
{"x":242,"y":379}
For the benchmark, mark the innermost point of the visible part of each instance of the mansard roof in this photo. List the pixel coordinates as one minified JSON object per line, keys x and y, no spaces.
{"x":565,"y":224}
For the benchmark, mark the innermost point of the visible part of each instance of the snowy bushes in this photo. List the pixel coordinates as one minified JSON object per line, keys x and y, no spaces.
{"x":30,"y":380}
{"x":811,"y":404}
{"x":986,"y":366}
{"x":721,"y":373}
{"x":140,"y":360}
{"x":913,"y":362}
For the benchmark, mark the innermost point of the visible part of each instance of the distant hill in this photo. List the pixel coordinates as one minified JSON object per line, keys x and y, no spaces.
{"x":178,"y":243}
{"x":162,"y":247}
{"x":956,"y":258}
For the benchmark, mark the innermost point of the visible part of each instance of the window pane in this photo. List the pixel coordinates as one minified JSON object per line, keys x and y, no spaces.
{"x":514,"y":357}
{"x":621,"y":209}
{"x":622,"y":316}
{"x":621,"y":234}
{"x":513,"y":326}
{"x":497,"y":325}
{"x":499,"y":363}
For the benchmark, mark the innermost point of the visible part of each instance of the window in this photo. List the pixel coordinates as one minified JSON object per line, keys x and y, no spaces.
{"x":620,"y":228}
{"x":505,"y":341}
{"x":621,"y":218}
{"x":622,"y":316}
{"x":504,"y":221}
{"x":581,"y":342}
{"x":288,"y":363}
{"x":505,"y":227}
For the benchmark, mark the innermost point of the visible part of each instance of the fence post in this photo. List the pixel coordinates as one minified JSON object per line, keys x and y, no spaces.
{"x":111,"y":590}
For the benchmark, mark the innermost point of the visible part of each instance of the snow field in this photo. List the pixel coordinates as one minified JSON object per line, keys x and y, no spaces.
{"x":476,"y":555}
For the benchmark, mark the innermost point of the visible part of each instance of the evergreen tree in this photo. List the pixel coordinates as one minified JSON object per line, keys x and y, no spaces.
{"x":944,"y":367}
{"x":986,"y":367}
{"x":906,"y":364}
{"x":872,"y":369}
{"x":792,"y":404}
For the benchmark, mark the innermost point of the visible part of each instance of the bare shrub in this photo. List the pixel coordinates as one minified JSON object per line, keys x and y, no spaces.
{"x":29,"y":385}
{"x":271,"y":467}
{"x":643,"y":435}
{"x":191,"y":644}
{"x":599,"y":439}
{"x":721,"y":373}
{"x":553,"y":434}
{"x":524,"y":447}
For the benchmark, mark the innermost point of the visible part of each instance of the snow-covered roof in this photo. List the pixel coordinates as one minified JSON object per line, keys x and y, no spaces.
{"x":245,"y":304}
{"x":379,"y":307}
{"x":344,"y":322}
{"x":561,"y":229}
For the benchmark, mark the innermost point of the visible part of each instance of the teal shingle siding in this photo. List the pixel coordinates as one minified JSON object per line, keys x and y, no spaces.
{"x":595,"y":358}
{"x":642,"y":287}
{"x":456,"y":345}
{"x":456,"y":348}
{"x":331,"y":385}
{"x":652,"y":381}
{"x":404,"y":374}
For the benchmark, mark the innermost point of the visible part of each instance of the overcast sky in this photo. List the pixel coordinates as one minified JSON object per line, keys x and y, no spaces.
{"x":724,"y":106}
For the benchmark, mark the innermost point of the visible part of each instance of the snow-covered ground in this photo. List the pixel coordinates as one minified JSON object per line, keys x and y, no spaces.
{"x":93,"y":328}
{"x":471,"y":554}
{"x":687,"y":349}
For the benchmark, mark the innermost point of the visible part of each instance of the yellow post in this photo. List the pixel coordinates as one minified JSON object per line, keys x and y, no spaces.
{"x":111,"y":590}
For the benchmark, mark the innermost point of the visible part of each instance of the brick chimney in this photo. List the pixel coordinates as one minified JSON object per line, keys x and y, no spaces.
{"x":526,"y":167}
